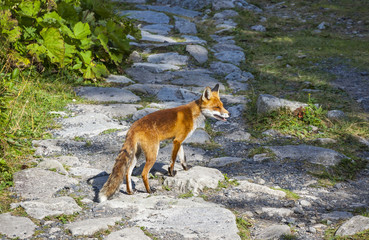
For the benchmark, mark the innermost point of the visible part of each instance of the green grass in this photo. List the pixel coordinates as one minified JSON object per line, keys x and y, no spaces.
{"x":186,"y":195}
{"x":289,"y":194}
{"x":243,"y":228}
{"x":29,"y":99}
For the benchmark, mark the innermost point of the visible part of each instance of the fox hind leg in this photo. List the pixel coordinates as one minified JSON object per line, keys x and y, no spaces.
{"x":129,"y":174}
{"x":151,"y":153}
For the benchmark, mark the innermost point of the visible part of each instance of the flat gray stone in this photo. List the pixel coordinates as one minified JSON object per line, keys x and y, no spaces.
{"x":267,"y":103}
{"x":84,"y":172}
{"x":337,"y":215}
{"x":147,"y":16}
{"x":189,"y":218}
{"x":325,"y":141}
{"x":236,"y":111}
{"x":198,"y":52}
{"x":174,"y":10}
{"x":184,"y":26}
{"x":49,"y":147}
{"x":118,"y":79}
{"x":90,"y":226}
{"x":134,"y":57}
{"x":335,"y":114}
{"x":176,"y":95}
{"x":189,"y":39}
{"x":67,"y":160}
{"x":168,"y":58}
{"x":162,"y":29}
{"x":146,"y":36}
{"x":223,"y":4}
{"x":223,"y":68}
{"x":128,"y":234}
{"x":118,"y":110}
{"x":48,"y":183}
{"x":194,"y":180}
{"x":312,"y":154}
{"x":237,"y":86}
{"x":108,"y":94}
{"x":235,"y":57}
{"x":49,"y":164}
{"x":142,"y":75}
{"x":276,"y":212}
{"x":16,"y":227}
{"x":223,"y":161}
{"x":225,"y":14}
{"x":87,"y":125}
{"x":155,"y":68}
{"x":239,"y":135}
{"x":273,"y":232}
{"x":354,"y":225}
{"x":247,"y":186}
{"x":258,"y":28}
{"x":219,"y":47}
{"x":239,"y":76}
{"x":223,"y":39}
{"x":199,"y":136}
{"x":193,"y":78}
{"x":50,"y":207}
{"x":143,"y":112}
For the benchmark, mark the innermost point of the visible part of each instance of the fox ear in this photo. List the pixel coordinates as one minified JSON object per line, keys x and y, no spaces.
{"x":216,"y":88}
{"x":206,"y":95}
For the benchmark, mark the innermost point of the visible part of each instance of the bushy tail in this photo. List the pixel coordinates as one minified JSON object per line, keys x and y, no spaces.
{"x":122,"y":163}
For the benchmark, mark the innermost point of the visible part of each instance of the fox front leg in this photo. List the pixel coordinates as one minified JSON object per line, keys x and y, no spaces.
{"x":182,"y":158}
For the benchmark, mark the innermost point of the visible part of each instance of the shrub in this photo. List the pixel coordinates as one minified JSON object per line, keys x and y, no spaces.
{"x":84,"y":36}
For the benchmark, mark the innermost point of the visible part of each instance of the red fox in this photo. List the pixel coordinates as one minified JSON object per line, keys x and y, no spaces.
{"x":146,"y":133}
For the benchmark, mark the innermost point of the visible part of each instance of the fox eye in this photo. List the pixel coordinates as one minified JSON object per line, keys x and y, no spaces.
{"x":217,"y":107}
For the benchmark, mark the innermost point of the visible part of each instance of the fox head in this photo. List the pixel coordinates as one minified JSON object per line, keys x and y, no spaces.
{"x":211,"y":106}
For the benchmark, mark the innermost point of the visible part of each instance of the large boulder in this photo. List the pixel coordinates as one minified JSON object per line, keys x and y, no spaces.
{"x":194,"y":180}
{"x":90,"y":226}
{"x":354,"y":225}
{"x":267,"y":103}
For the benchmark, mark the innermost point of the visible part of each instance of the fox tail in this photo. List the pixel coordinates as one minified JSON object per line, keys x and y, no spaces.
{"x":122,"y":164}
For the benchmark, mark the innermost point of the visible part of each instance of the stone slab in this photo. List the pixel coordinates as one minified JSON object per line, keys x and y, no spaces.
{"x":108,"y":94}
{"x":223,"y":161}
{"x":267,"y":103}
{"x":199,"y":136}
{"x":87,"y":125}
{"x":48,"y":183}
{"x":50,"y":207}
{"x":234,"y":57}
{"x":189,"y":218}
{"x":156,"y":68}
{"x":184,"y":26}
{"x":354,"y":225}
{"x":174,"y":10}
{"x":147,"y":16}
{"x":194,"y":180}
{"x":128,"y":234}
{"x":168,"y":58}
{"x":90,"y":226}
{"x":312,"y":154}
{"x":273,"y":232}
{"x":223,"y":68}
{"x":198,"y":52}
{"x":162,"y":29}
{"x":257,"y":188}
{"x":118,"y":110}
{"x":146,"y":36}
{"x":16,"y":227}
{"x":118,"y":79}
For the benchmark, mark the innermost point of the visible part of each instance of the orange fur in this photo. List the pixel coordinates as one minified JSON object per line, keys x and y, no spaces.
{"x":146,"y":133}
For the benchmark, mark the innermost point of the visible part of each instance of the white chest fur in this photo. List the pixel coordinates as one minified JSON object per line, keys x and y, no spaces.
{"x":198,"y":122}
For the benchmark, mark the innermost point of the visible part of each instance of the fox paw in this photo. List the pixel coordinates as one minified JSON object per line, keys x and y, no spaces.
{"x":171,"y":172}
{"x":186,"y":167}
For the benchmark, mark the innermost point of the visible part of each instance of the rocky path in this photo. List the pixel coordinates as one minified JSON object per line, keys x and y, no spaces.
{"x":170,"y":67}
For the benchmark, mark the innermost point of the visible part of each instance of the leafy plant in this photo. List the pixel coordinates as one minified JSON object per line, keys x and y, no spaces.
{"x":6,"y":175}
{"x":83,"y":36}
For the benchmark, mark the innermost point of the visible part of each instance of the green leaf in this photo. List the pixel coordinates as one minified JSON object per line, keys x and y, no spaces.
{"x":36,"y":50}
{"x":30,"y":8}
{"x":88,"y":73}
{"x":100,"y":70}
{"x":52,"y":17}
{"x":70,"y":50}
{"x":54,"y":43}
{"x":66,"y":30}
{"x":81,"y":30}
{"x":86,"y":43}
{"x":86,"y":57}
{"x":67,"y":11}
